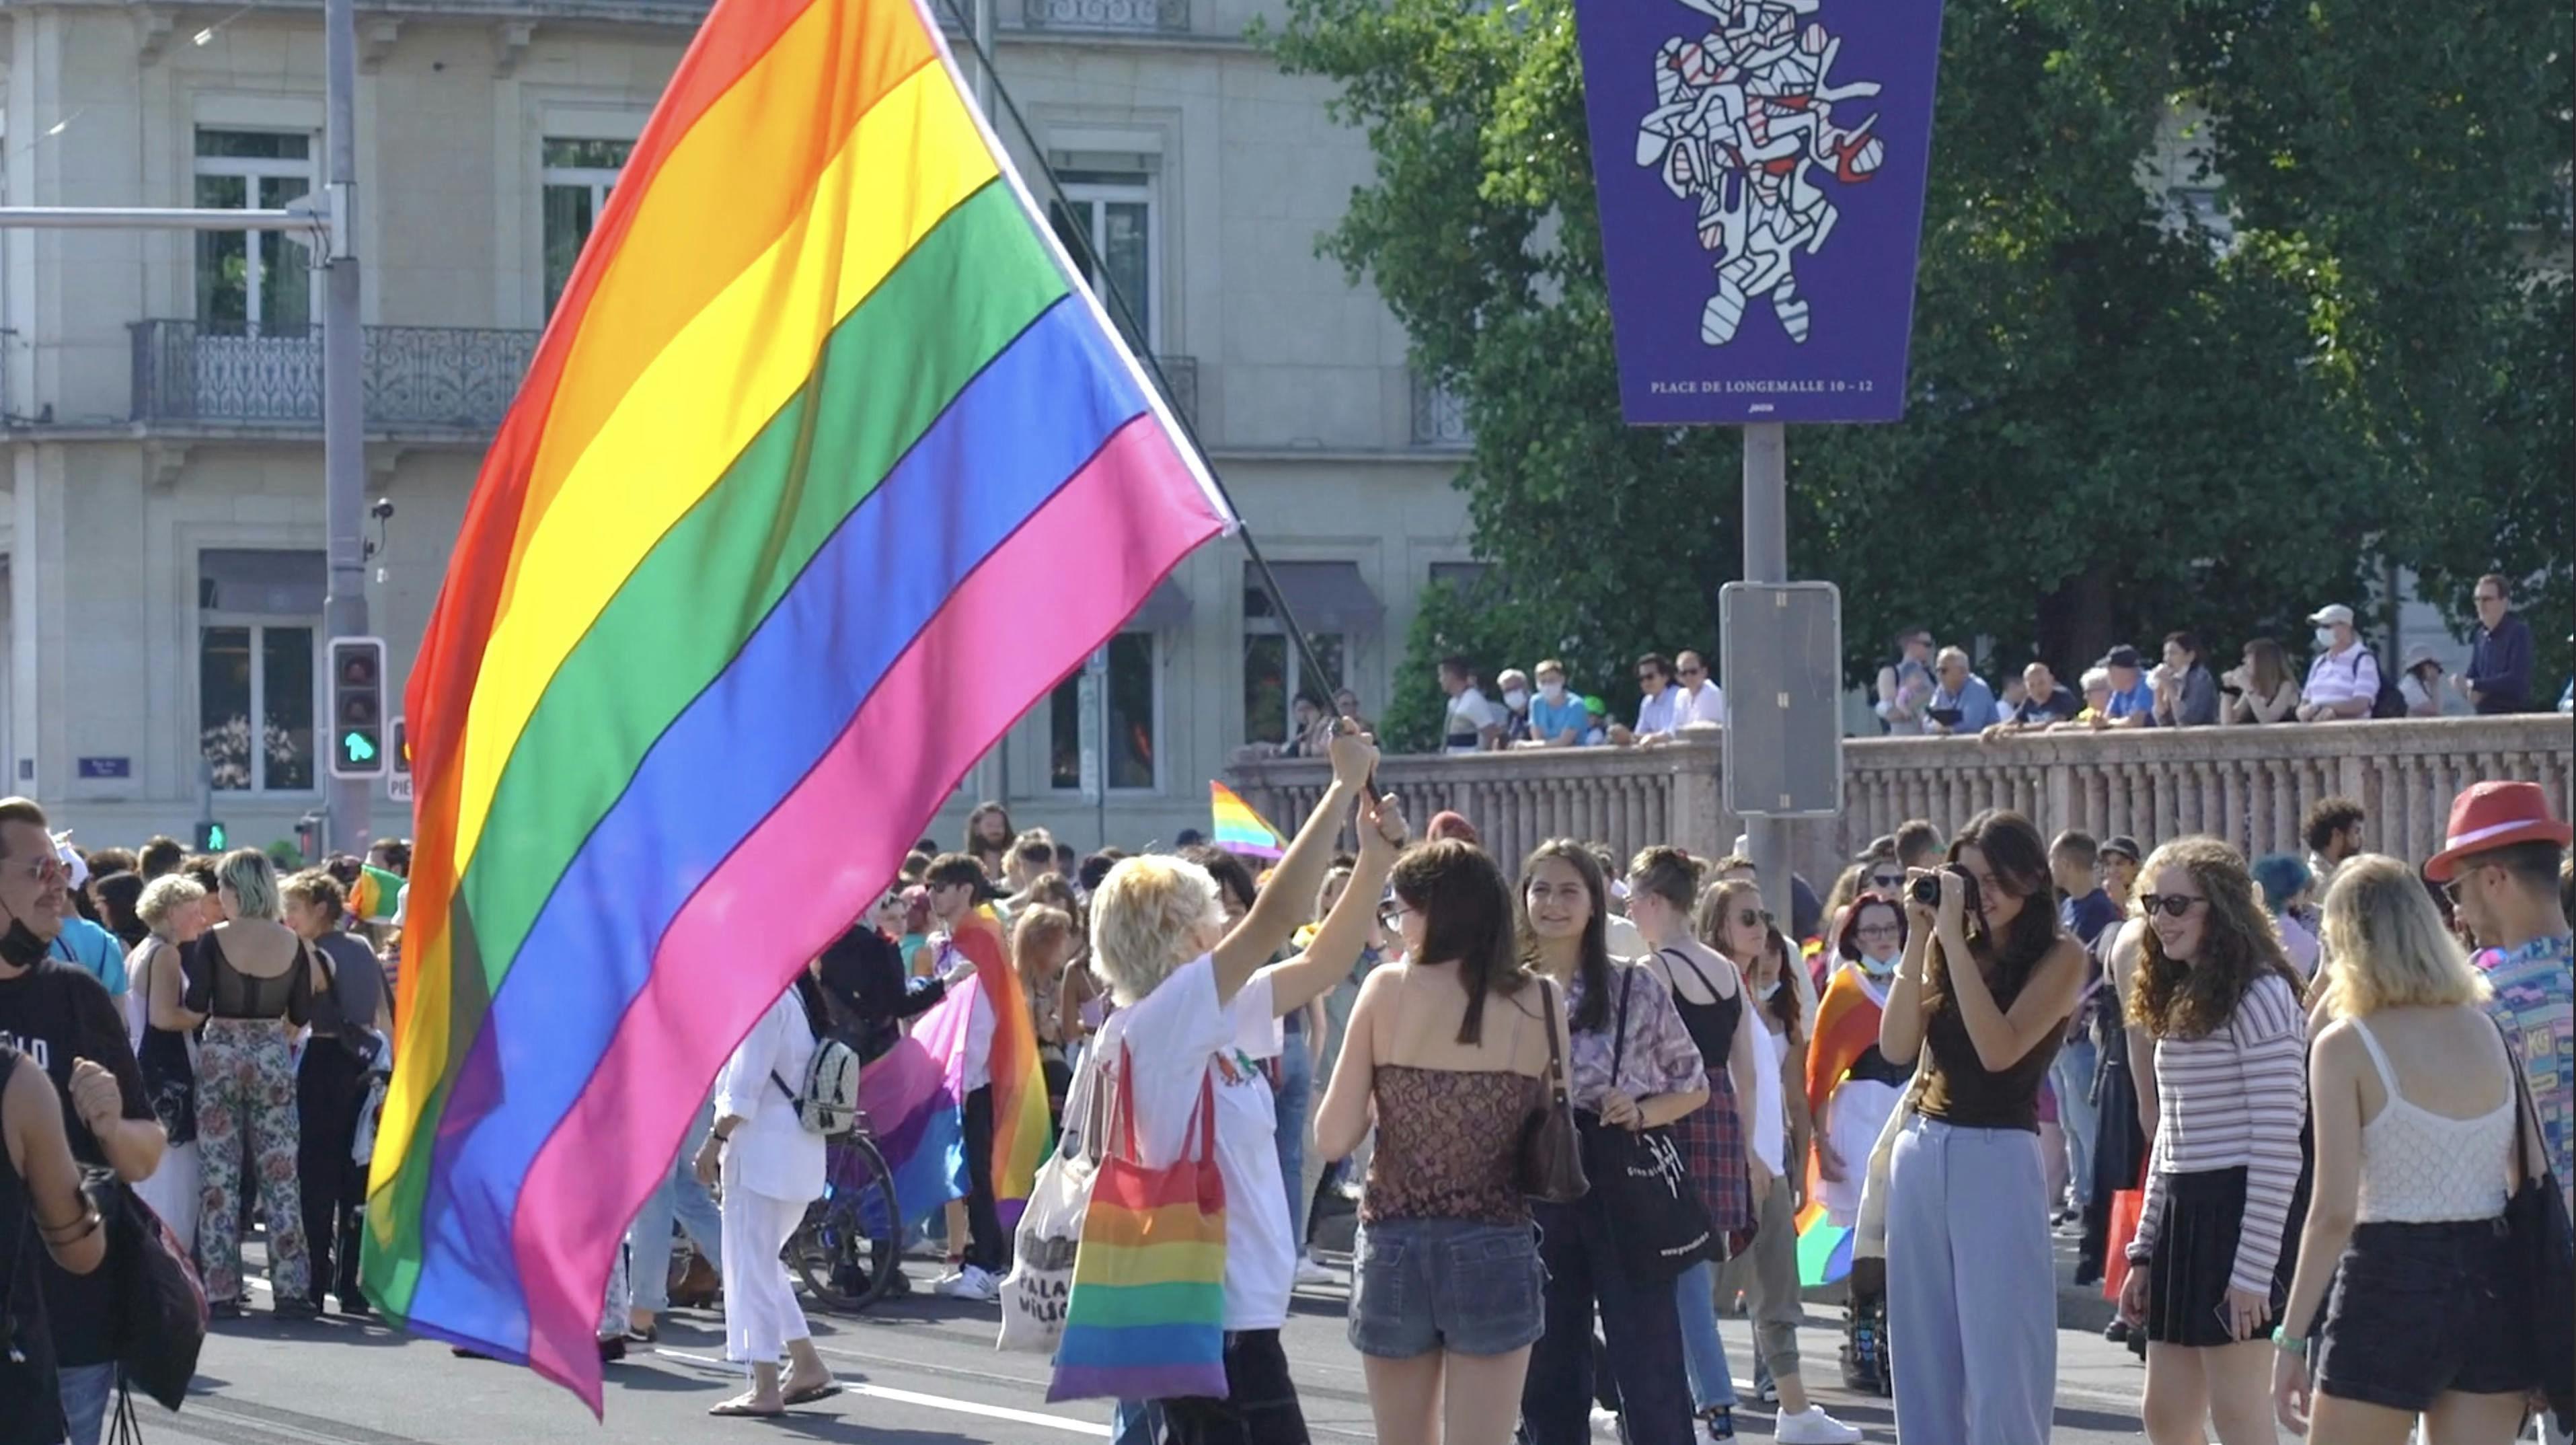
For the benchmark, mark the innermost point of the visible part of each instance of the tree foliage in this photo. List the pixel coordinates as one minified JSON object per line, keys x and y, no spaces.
{"x":2119,"y":422}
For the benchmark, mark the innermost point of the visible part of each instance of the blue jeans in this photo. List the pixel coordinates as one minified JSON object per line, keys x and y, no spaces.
{"x":1577,"y":1243}
{"x":86,"y":1390}
{"x":2077,"y":1117}
{"x":1712,"y":1379}
{"x":680,"y":1196}
{"x":1296,"y":1083}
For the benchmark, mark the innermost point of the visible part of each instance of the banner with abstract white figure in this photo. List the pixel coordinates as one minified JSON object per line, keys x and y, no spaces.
{"x":1760,"y":165}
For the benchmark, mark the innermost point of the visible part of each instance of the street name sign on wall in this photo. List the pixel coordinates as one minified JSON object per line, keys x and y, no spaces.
{"x":1760,"y":165}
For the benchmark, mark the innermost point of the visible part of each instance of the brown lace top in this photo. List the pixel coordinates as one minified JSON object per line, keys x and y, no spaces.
{"x":1448,"y":1145}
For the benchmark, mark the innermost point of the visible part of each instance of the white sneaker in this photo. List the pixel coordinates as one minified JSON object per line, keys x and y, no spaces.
{"x":967,"y":1283}
{"x":1313,"y":1271}
{"x":1813,"y":1427}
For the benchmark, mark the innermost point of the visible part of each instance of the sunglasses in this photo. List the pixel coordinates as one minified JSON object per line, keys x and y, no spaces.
{"x":1749,"y":918}
{"x":44,"y":868}
{"x":1887,"y":880}
{"x":2171,"y":905}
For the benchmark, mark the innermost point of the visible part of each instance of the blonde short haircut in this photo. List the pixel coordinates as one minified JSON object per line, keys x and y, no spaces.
{"x":253,"y":881}
{"x":162,"y":899}
{"x":1146,"y":918}
{"x":2385,"y":946}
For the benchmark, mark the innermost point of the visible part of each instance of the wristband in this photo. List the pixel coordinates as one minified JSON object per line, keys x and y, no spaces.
{"x":2289,"y":1344}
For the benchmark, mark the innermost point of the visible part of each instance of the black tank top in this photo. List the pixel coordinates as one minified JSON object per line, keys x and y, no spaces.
{"x":31,"y":1408}
{"x":1711,"y":1025}
{"x":219,"y":990}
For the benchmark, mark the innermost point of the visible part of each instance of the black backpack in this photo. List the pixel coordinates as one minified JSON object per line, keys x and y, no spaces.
{"x":2390,"y":702}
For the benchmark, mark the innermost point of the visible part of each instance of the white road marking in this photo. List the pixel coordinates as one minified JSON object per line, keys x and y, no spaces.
{"x":934,"y":1402}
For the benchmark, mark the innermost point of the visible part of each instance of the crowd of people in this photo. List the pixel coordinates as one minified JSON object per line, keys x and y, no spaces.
{"x":2305,"y":1071}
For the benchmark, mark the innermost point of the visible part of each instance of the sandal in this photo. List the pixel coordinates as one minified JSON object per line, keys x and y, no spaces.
{"x":812,"y":1393}
{"x":741,"y":1409}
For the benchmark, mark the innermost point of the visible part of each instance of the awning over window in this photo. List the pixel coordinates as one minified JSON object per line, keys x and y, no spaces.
{"x":1327,"y":596}
{"x":274,"y":583}
{"x":1166,"y":609}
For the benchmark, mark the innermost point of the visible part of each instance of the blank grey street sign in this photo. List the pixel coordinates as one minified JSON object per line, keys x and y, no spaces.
{"x":1782,"y":670}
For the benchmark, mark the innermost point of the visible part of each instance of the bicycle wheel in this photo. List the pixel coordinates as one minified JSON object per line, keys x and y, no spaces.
{"x":846,"y":1251}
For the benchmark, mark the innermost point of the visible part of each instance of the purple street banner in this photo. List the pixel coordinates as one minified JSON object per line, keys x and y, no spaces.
{"x":1760,"y":165}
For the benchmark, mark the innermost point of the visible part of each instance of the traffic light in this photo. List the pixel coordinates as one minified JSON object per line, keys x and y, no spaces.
{"x":210,"y":837}
{"x":358,"y":707}
{"x":311,"y":837}
{"x":401,"y":755}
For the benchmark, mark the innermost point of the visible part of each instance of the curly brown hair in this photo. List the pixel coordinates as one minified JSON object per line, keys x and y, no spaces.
{"x":2239,"y":944}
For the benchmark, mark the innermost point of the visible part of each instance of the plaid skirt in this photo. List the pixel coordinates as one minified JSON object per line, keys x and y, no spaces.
{"x":1710,"y":1140}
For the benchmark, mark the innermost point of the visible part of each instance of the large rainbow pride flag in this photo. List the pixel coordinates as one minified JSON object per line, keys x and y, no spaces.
{"x":768,"y":551}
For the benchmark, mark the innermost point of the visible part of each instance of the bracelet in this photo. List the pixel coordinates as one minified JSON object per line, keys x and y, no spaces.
{"x":2289,"y":1344}
{"x":79,"y":1229}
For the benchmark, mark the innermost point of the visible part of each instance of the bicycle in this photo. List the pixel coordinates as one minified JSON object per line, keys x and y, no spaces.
{"x":848,"y":1250}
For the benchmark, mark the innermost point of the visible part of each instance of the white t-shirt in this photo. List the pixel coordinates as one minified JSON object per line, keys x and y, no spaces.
{"x":1470,"y":713}
{"x":1770,"y":1114}
{"x":1707,"y":705}
{"x":980,"y":1021}
{"x":1182,"y":1036}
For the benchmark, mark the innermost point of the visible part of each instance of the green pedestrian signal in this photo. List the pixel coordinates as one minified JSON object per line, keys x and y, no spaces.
{"x":358,"y":714}
{"x":210,"y":837}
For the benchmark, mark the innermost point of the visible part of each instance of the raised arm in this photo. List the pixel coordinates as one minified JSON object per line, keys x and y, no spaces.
{"x":1281,"y":906}
{"x":1900,"y":1024}
{"x":2003,"y":1038}
{"x":1336,"y":945}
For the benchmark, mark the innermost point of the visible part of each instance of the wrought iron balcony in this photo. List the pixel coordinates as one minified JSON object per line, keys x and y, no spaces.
{"x":1135,"y":17}
{"x":1439,"y":417}
{"x":417,"y":378}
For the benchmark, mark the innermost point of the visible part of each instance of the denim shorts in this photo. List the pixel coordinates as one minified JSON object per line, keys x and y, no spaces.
{"x":2420,"y":1309}
{"x":1463,"y":1285}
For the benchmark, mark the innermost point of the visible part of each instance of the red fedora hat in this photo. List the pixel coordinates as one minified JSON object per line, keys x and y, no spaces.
{"x":2494,"y":815}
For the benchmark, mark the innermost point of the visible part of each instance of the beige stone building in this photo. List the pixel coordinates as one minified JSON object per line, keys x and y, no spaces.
{"x":163,"y":541}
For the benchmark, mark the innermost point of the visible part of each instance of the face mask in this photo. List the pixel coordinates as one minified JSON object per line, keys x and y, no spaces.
{"x":2326,"y":638}
{"x":1516,"y":698}
{"x":20,"y":947}
{"x":1875,"y":964}
{"x":1554,"y":692}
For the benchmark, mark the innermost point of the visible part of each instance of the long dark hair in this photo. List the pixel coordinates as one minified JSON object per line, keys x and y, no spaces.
{"x":118,"y":894}
{"x":2018,"y":858}
{"x":1594,"y":967}
{"x":2239,"y":944}
{"x":1466,"y":910}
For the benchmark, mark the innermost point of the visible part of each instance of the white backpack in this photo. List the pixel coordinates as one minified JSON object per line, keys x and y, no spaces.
{"x":829,"y":1102}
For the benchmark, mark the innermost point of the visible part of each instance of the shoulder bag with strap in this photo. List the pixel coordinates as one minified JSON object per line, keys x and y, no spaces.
{"x":2543,"y":1252}
{"x":828,"y":1105}
{"x":1551,"y":1153}
{"x":1654,"y":1211}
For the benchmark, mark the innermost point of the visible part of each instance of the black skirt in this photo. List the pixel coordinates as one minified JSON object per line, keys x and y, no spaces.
{"x":2195,"y":1257}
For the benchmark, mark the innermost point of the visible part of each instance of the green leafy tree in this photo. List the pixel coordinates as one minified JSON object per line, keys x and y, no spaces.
{"x":2119,"y":422}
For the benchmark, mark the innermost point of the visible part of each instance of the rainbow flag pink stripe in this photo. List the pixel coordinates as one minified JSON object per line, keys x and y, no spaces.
{"x":767,"y":552}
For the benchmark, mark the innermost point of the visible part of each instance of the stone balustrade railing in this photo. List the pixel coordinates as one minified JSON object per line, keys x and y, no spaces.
{"x":2250,"y":785}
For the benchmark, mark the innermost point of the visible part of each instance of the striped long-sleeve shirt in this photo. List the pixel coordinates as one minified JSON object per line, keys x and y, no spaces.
{"x":2235,"y":1097}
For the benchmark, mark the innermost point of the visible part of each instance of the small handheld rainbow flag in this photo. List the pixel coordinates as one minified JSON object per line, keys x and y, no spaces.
{"x":1241,"y":830}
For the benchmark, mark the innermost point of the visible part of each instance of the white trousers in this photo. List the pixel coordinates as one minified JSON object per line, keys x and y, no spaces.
{"x":171,"y":1190}
{"x":761,"y":1313}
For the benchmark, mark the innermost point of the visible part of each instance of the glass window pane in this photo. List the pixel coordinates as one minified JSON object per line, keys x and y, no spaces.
{"x":598,"y":155}
{"x":1130,"y":743}
{"x":223,"y":257}
{"x":286,"y":675}
{"x":262,"y":145}
{"x":1064,"y":734}
{"x":1126,"y":226}
{"x":223,"y":705}
{"x":286,"y":277}
{"x":1328,"y":651}
{"x":567,"y":225}
{"x":1265,"y":688}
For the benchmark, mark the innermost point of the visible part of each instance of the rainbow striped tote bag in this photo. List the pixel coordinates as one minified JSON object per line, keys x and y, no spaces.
{"x":1146,"y":1317}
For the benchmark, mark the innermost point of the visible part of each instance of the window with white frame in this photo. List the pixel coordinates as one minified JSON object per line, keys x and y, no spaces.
{"x":1114,"y":212}
{"x":1133,"y":697}
{"x":1275,"y":672}
{"x":578,"y":175}
{"x":259,"y":630}
{"x":253,"y":282}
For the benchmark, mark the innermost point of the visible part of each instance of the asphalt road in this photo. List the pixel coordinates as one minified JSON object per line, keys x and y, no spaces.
{"x":918,"y":1372}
